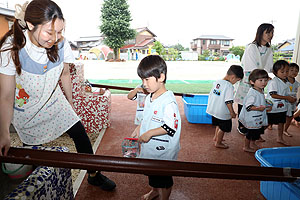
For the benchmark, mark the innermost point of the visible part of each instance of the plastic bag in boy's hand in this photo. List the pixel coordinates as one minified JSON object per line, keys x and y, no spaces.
{"x":130,"y":147}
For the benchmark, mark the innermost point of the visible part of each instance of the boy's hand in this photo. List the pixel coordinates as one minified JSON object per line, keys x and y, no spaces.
{"x":139,"y":90}
{"x":261,"y":108}
{"x":268,"y":108}
{"x":291,"y":99}
{"x":135,"y":133}
{"x":145,"y":137}
{"x":233,"y":115}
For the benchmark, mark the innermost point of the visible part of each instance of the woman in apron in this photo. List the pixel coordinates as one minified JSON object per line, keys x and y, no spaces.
{"x":34,"y":57}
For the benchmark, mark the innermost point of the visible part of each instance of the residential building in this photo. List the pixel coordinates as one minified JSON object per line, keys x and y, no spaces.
{"x":141,"y":45}
{"x":287,"y":46}
{"x":88,"y":42}
{"x":219,"y":44}
{"x":133,"y":50}
{"x":6,"y":20}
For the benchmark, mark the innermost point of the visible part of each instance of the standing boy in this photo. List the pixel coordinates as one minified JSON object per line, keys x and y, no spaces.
{"x":220,"y":102}
{"x":159,"y":132}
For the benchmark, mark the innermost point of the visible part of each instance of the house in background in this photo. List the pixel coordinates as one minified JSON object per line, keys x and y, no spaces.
{"x":214,"y":43}
{"x":88,"y":42}
{"x":73,"y":46}
{"x":134,"y":49}
{"x":6,"y":20}
{"x":287,"y":46}
{"x":139,"y":47}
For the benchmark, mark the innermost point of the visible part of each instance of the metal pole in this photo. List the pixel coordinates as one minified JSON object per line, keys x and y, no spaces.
{"x":148,"y":166}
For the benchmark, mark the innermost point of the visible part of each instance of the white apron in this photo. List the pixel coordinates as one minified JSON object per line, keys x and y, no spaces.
{"x":41,"y":111}
{"x":250,"y":61}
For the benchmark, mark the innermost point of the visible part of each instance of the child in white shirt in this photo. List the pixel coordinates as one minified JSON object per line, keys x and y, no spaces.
{"x":220,"y":102}
{"x":159,"y":131}
{"x":253,"y":115}
{"x":293,"y":86}
{"x":278,"y":94}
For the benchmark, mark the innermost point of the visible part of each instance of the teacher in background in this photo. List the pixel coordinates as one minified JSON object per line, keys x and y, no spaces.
{"x":257,"y":55}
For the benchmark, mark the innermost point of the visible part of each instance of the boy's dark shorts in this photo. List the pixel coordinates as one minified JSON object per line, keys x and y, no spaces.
{"x":254,"y":134}
{"x":276,"y":118}
{"x":160,"y":181}
{"x":224,"y":125}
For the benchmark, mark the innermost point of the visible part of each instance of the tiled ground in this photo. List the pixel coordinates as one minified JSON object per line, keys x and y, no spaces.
{"x":196,"y":146}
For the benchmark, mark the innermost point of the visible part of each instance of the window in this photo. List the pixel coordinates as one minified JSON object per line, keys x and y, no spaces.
{"x":213,"y":42}
{"x":226,"y":42}
{"x":203,"y":42}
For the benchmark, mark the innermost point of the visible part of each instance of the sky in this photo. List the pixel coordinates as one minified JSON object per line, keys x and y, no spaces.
{"x":177,"y":21}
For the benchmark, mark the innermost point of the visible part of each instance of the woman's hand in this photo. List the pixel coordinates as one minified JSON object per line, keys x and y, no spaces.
{"x":7,"y":97}
{"x":4,"y":143}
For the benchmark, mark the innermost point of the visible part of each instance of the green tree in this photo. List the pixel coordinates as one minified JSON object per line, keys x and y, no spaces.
{"x":237,"y":50}
{"x":159,"y":48}
{"x":115,"y":24}
{"x":173,"y":53}
{"x":205,"y":55}
{"x":178,"y":46}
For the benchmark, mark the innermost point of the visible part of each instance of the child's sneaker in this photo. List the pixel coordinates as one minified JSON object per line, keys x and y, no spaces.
{"x":102,"y":181}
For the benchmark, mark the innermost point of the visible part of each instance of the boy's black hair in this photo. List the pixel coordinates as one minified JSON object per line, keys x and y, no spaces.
{"x":294,"y":65}
{"x":236,"y":70}
{"x":152,"y":65}
{"x":257,"y":74}
{"x":278,"y":65}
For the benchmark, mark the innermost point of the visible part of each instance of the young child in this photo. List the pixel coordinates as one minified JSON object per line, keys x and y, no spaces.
{"x":293,"y":86}
{"x":138,"y":94}
{"x":253,"y":115}
{"x":278,"y":94}
{"x":159,"y":131}
{"x":220,"y":102}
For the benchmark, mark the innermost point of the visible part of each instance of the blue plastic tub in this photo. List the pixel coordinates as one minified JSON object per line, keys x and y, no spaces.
{"x":195,"y":109}
{"x":280,"y":157}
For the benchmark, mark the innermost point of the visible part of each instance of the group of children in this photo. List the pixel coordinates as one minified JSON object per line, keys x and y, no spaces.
{"x":258,"y":111}
{"x":159,"y":124}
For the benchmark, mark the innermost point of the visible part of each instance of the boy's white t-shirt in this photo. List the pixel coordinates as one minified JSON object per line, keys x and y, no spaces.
{"x":292,"y":91}
{"x":253,"y":119}
{"x":160,"y":112}
{"x":221,"y":92}
{"x":280,"y":87}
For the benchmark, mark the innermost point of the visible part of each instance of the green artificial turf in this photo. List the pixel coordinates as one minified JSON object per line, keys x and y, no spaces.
{"x":185,"y":86}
